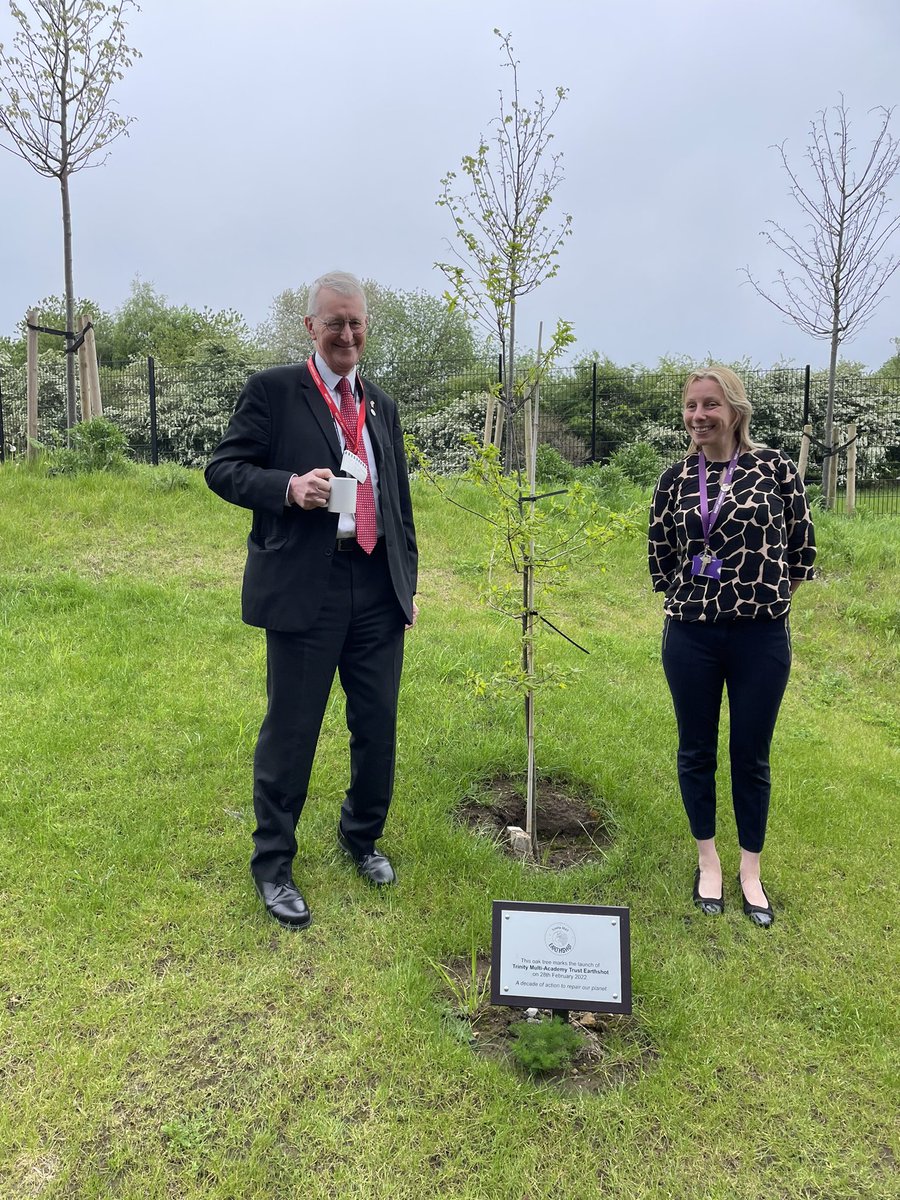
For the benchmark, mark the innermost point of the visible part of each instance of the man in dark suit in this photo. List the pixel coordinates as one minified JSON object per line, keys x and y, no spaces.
{"x":333,"y":590}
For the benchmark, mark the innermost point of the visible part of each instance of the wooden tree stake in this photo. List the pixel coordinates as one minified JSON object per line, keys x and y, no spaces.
{"x":489,"y":420}
{"x":804,"y":452}
{"x":851,"y":470}
{"x":84,"y":381}
{"x":93,"y":373}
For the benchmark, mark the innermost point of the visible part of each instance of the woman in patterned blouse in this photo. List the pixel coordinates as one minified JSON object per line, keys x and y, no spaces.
{"x":730,"y":542}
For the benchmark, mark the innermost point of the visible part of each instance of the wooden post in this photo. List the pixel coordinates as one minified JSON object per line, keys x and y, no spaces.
{"x":151,"y":392}
{"x":804,"y":452}
{"x":832,"y":474}
{"x":31,"y":417}
{"x":530,"y":448}
{"x":93,"y":368}
{"x":851,"y":471}
{"x":84,"y":382}
{"x":2,"y":430}
{"x":498,"y":428}
{"x":489,"y":420}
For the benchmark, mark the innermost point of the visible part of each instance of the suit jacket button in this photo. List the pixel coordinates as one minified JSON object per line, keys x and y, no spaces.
{"x":328,"y":553}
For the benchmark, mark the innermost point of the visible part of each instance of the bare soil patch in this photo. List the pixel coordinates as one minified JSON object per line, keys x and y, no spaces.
{"x":572,"y":826}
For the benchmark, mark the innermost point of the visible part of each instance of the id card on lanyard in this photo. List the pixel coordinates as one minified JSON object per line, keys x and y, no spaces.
{"x":705,"y":564}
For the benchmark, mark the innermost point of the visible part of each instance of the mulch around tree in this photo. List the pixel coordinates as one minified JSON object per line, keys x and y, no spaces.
{"x":571,"y":824}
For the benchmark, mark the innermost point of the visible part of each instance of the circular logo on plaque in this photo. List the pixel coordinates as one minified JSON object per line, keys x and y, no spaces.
{"x":560,"y":938}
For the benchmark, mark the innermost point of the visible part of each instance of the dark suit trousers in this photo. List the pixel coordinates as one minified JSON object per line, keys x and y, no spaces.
{"x":359,"y":632}
{"x":752,"y":659}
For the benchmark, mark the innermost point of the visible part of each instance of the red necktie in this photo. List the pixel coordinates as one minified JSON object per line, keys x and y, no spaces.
{"x":366,"y":526}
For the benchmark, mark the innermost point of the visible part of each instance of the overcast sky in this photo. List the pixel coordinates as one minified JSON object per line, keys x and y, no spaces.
{"x":278,"y":139}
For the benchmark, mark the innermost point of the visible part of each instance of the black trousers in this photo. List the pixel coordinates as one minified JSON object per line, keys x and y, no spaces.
{"x":752,"y":659}
{"x":358,"y":633}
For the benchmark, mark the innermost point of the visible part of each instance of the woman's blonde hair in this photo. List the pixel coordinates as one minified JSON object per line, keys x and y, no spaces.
{"x":735,"y":396}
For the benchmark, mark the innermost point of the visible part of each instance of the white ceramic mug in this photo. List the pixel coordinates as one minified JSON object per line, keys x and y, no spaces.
{"x":342,"y":498}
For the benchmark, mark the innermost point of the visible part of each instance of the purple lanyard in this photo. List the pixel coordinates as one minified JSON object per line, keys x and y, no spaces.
{"x":707,"y":518}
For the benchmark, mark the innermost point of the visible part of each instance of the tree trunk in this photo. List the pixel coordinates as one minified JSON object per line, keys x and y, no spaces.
{"x":528,"y":617}
{"x":528,"y":665}
{"x":829,"y":472}
{"x":509,"y":390}
{"x":829,"y":468}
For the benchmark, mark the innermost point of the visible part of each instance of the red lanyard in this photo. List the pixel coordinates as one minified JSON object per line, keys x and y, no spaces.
{"x":353,"y":441}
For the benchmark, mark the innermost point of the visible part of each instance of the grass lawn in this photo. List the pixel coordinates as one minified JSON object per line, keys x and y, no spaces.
{"x":160,"y":1037}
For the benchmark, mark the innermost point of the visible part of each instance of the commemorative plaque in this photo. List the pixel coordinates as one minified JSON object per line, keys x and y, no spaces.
{"x":564,"y":956}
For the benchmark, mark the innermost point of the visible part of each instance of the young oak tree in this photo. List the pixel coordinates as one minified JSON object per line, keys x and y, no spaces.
{"x":840,"y":263}
{"x":56,"y":107}
{"x":508,"y":248}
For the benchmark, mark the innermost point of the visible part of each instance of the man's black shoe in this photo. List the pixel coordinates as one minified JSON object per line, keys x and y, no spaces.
{"x":284,"y":902}
{"x":375,"y":867}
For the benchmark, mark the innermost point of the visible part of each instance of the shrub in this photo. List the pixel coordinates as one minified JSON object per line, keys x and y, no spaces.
{"x":639,"y":463}
{"x":439,"y":435}
{"x":613,"y":489}
{"x":668,"y":441}
{"x":545,"y":1045}
{"x":551,"y":467}
{"x":96,"y":445}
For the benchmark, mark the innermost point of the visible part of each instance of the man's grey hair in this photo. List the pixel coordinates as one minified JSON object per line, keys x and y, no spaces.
{"x":341,"y":282}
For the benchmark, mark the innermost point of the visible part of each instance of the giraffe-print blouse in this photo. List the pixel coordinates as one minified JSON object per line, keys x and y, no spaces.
{"x":763,"y":535}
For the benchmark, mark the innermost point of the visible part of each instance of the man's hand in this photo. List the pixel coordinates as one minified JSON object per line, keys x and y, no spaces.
{"x":312,"y":489}
{"x":415,"y":617}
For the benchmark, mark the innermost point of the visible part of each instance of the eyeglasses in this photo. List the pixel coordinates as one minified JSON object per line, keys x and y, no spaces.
{"x":336,"y":324}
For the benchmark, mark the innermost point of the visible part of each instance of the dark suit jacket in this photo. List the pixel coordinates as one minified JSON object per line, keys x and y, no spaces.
{"x":282,"y":427}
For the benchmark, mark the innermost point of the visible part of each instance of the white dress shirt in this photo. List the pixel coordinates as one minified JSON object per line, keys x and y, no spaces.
{"x":347,"y":521}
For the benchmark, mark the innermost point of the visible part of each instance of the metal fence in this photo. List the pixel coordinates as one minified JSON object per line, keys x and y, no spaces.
{"x":587,"y":414}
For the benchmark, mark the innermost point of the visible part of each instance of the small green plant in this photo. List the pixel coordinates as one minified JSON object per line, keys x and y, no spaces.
{"x":814,"y":496}
{"x":545,"y":1045}
{"x":170,"y":477}
{"x":96,"y":445}
{"x":468,"y":991}
{"x":189,"y":1139}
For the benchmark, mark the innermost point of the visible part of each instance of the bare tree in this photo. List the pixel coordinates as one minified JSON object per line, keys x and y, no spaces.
{"x":508,"y":248}
{"x":839,"y":262}
{"x":56,"y":108}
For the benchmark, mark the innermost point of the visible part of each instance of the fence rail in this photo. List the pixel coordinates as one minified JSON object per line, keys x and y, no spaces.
{"x":587,"y":413}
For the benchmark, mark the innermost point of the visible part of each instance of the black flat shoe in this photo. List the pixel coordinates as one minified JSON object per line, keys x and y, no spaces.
{"x":284,"y":903}
{"x":763,"y":917}
{"x":712,"y":907}
{"x":375,"y":868}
